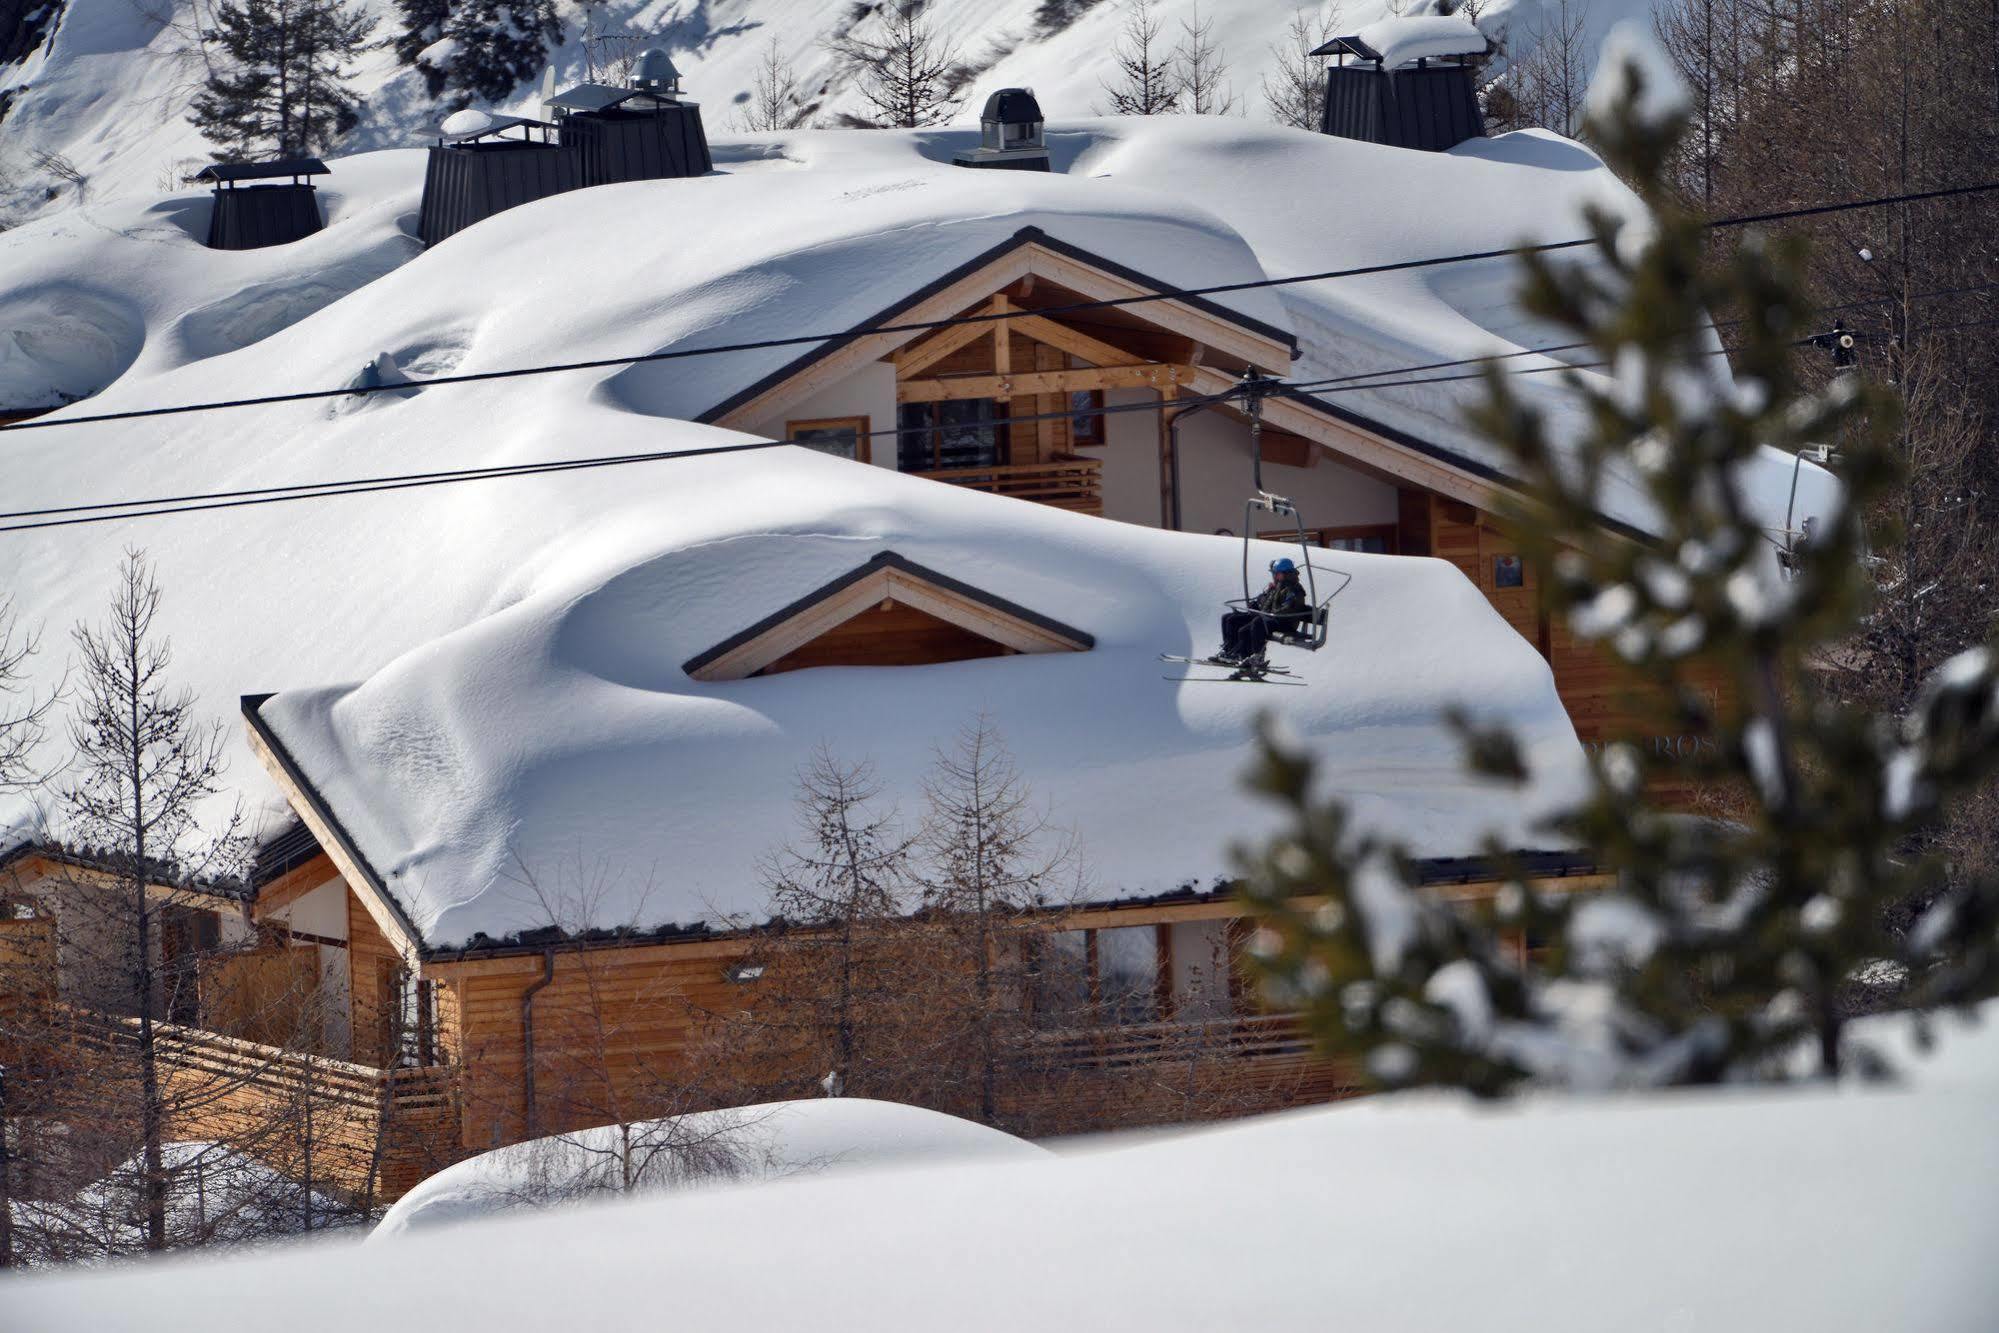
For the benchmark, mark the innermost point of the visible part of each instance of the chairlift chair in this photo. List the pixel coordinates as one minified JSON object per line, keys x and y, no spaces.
{"x":1306,"y":631}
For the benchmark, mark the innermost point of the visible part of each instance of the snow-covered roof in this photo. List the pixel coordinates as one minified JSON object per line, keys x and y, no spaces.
{"x":561,"y":729}
{"x":1398,"y":40}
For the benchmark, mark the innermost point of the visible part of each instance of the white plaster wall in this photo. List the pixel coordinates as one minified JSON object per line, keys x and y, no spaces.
{"x":323,"y":911}
{"x":1215,"y":479}
{"x":1131,"y":458}
{"x":1200,"y":969}
{"x":869,"y":392}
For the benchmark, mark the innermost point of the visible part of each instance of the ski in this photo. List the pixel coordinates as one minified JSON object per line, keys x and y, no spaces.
{"x":1272,"y":678}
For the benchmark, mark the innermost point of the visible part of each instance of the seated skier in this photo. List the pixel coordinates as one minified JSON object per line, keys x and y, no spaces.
{"x":1244,"y":633}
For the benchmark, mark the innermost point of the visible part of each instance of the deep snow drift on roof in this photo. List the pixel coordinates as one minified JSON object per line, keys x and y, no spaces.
{"x":559,"y":736}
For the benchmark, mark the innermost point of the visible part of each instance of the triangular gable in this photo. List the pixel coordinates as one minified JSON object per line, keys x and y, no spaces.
{"x":824,"y":627}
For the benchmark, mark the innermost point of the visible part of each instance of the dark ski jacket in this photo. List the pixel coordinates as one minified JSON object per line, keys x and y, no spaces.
{"x":1284,"y":597}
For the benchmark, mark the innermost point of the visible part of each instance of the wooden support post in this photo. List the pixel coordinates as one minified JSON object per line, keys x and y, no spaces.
{"x":1167,"y":397}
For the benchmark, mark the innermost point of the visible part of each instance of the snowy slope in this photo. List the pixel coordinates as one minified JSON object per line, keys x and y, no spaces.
{"x":559,"y":737}
{"x":1846,"y":1211}
{"x":108,"y":87}
{"x":749,"y":1144}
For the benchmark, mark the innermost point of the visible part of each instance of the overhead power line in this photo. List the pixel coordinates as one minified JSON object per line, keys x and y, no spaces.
{"x":924,"y":326}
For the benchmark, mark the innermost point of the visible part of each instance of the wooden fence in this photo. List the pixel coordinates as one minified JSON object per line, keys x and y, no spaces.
{"x":370,"y":1132}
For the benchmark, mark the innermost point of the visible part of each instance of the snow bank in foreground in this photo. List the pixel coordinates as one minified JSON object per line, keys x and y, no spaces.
{"x":1852,"y":1209}
{"x":748,"y":1144}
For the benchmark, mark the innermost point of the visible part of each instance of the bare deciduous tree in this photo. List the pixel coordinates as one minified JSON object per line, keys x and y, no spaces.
{"x":1147,"y":78}
{"x":776,"y":101}
{"x":145,"y":764}
{"x":1204,"y":77}
{"x":1295,"y":92}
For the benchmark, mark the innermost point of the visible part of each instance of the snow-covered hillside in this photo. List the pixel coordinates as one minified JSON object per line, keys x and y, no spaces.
{"x":107,"y":87}
{"x":1851,"y":1209}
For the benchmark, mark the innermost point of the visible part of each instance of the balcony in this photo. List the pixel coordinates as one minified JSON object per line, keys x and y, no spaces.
{"x":1174,"y":1072}
{"x":1067,"y":481}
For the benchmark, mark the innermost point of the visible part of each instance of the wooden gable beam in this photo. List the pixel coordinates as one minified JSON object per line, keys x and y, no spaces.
{"x":1146,"y":376}
{"x":919,"y":357}
{"x":1076,"y":343}
{"x":843,"y":360}
{"x":885,"y":584}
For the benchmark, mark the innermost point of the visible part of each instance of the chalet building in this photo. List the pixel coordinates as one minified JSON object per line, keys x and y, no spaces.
{"x":262,"y":203}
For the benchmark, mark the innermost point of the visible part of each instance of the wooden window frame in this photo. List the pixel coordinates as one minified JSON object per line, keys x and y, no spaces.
{"x":862,"y":426}
{"x":1000,"y":414}
{"x":1098,"y":434}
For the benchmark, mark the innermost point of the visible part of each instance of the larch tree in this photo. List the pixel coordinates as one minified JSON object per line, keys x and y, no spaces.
{"x":1204,"y":77}
{"x":1728,"y":946}
{"x":1294,"y":92}
{"x":277,"y":84}
{"x":144,"y":767}
{"x":776,"y":100}
{"x":826,"y":978}
{"x":1146,"y":76}
{"x":992,"y":865}
{"x":908,"y":73}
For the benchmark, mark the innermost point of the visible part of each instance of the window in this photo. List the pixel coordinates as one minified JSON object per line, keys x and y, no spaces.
{"x":1086,"y":420}
{"x":842,"y":437}
{"x":1094,"y":978}
{"x":960,"y":432}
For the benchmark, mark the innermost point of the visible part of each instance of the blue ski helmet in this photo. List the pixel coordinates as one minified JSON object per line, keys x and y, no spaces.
{"x":1283,"y":565}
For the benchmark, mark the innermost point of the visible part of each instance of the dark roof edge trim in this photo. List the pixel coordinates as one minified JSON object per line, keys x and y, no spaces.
{"x":323,"y":811}
{"x":1025,"y":236}
{"x":886,"y":560}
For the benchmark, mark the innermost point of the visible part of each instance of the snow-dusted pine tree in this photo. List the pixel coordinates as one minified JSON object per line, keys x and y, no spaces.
{"x":907,"y":72}
{"x":489,"y":48}
{"x":277,"y":81}
{"x":1726,"y":948}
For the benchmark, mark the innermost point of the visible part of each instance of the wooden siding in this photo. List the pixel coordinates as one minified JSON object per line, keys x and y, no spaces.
{"x":612,"y":1033}
{"x":1604,"y":700}
{"x":374,"y":965}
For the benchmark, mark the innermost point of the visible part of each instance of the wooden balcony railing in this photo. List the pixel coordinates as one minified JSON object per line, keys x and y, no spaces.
{"x":1067,"y":481}
{"x":1134,"y":1045}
